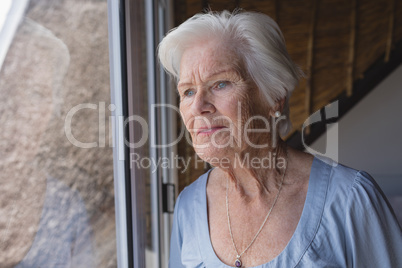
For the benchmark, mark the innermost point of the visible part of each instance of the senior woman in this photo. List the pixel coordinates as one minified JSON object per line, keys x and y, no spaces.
{"x":263,"y":204}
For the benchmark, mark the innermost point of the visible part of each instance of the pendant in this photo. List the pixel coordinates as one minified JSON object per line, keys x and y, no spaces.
{"x":238,"y":261}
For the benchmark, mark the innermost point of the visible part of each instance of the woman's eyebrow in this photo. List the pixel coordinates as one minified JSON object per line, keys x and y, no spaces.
{"x":182,"y":84}
{"x":217,"y":73}
{"x":210,"y":76}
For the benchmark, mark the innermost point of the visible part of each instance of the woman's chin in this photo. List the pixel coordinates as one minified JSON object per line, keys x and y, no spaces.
{"x":216,"y":157}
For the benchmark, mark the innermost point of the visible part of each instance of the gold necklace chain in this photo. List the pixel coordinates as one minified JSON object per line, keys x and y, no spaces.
{"x":238,"y":262}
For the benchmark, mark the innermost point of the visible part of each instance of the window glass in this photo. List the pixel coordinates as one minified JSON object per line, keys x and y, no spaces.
{"x":4,"y":8}
{"x":56,"y":184}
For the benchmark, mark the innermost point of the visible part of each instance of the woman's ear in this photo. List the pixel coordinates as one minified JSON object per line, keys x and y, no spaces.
{"x":278,"y":107}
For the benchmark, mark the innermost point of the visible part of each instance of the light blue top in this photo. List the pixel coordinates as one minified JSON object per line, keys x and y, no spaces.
{"x":346,"y":222}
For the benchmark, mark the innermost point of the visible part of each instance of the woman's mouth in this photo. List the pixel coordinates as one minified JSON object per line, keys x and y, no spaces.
{"x":209,"y":131}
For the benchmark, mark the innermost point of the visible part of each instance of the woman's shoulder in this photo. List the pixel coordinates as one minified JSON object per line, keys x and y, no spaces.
{"x":353,"y":206}
{"x":348,"y":187}
{"x":344,"y":177}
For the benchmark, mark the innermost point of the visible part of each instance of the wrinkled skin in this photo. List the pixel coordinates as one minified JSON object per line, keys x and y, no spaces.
{"x":221,"y":106}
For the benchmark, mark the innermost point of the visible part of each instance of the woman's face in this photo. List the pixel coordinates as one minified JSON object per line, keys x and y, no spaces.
{"x":216,"y":101}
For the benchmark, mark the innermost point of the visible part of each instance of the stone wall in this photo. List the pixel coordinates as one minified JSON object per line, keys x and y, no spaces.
{"x":58,"y":60}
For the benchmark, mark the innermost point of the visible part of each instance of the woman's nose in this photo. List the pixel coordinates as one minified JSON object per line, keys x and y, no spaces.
{"x":203,"y":103}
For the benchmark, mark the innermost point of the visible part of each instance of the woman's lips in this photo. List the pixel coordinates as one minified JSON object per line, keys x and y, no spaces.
{"x":209,"y":131}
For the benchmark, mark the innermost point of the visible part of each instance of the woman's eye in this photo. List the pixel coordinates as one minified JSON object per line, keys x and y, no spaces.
{"x":189,"y":92}
{"x":221,"y":84}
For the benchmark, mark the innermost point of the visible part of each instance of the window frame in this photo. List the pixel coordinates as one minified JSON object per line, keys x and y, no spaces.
{"x":124,"y":33}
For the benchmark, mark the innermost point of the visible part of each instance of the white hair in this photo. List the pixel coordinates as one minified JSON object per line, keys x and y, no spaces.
{"x":256,"y":40}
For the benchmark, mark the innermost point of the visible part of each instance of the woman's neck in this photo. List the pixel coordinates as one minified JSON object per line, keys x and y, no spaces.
{"x":256,"y":172}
